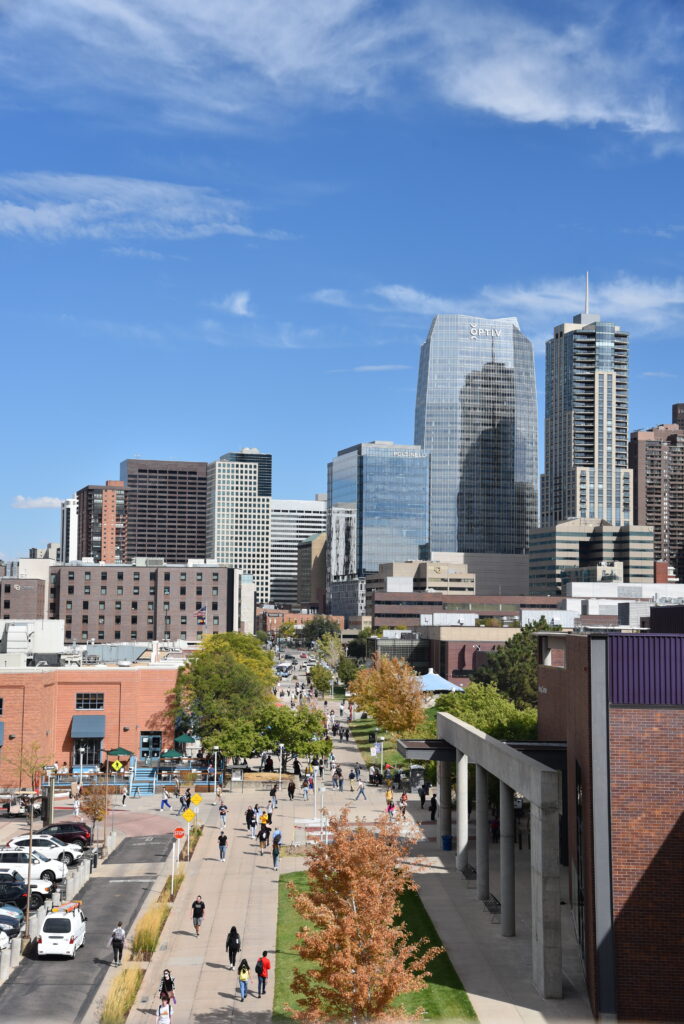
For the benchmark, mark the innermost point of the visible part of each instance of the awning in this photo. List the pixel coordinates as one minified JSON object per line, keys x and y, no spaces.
{"x":88,"y":727}
{"x":2,"y":733}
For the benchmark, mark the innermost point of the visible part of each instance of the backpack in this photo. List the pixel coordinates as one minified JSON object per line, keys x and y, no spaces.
{"x":259,"y":967}
{"x":118,"y":935}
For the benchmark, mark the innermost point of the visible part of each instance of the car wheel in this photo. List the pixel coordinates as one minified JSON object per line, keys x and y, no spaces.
{"x":48,"y":876}
{"x":68,"y":859}
{"x":35,"y":901}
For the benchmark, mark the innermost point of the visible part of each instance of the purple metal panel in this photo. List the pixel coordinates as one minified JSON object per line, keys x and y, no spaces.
{"x":646,"y":669}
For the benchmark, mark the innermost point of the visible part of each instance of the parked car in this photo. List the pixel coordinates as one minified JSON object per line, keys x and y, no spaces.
{"x":11,"y":911}
{"x":40,"y":887}
{"x":18,"y":860}
{"x":63,"y":931}
{"x":15,"y":807}
{"x":51,"y":847}
{"x":15,"y":892}
{"x":9,"y":925}
{"x":68,"y":832}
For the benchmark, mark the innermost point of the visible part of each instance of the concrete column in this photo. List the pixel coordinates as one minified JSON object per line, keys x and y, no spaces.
{"x":69,"y":894}
{"x":40,"y":915}
{"x":15,"y":950}
{"x":444,"y":799}
{"x":5,"y":955}
{"x":461,"y":810}
{"x":481,"y":833}
{"x":33,"y":926}
{"x":507,"y":858}
{"x":545,"y":890}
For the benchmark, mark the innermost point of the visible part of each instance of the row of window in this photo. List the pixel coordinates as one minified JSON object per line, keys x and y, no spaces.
{"x":71,"y":575}
{"x":136,"y":590}
{"x":133,"y":636}
{"x":134,"y":620}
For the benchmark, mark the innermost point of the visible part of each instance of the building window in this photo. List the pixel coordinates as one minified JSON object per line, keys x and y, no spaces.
{"x":198,"y":591}
{"x":119,"y":590}
{"x":102,"y":606}
{"x":86,"y":576}
{"x":184,"y":620}
{"x":89,"y":701}
{"x":136,"y":575}
{"x":150,"y":620}
{"x":68,"y":604}
{"x":68,"y":620}
{"x":84,"y":620}
{"x":103,"y":575}
{"x":86,"y":604}
{"x":117,"y":620}
{"x":136,"y":590}
{"x":119,"y":575}
{"x":134,"y":635}
{"x":5,"y":604}
{"x":117,"y":606}
{"x":2,"y":700}
{"x":100,"y":620}
{"x":134,"y":620}
{"x":100,"y":634}
{"x":182,"y":606}
{"x":184,"y":575}
{"x":167,"y":575}
{"x":86,"y":589}
{"x":150,"y":606}
{"x":71,"y":575}
{"x":198,"y":576}
{"x":86,"y":751}
{"x":216,"y":620}
{"x":103,"y":590}
{"x":134,"y":606}
{"x":150,"y":635}
{"x":70,"y":590}
{"x":214,"y":591}
{"x":183,"y":590}
{"x":167,"y":590}
{"x":67,"y":634}
{"x":184,"y":636}
{"x":214,"y":606}
{"x":215,"y":577}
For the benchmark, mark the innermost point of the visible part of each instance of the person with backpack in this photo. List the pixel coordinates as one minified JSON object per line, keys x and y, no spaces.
{"x":250,"y":819}
{"x":232,"y":947}
{"x":223,"y":811}
{"x":118,"y":938}
{"x":263,"y":835}
{"x":168,"y":985}
{"x":273,"y":793}
{"x":164,"y":1010}
{"x":291,"y":789}
{"x":243,"y":979}
{"x":276,"y":841}
{"x":263,"y":966}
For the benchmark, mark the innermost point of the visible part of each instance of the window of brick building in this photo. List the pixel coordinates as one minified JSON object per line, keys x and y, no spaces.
{"x":103,"y":575}
{"x":89,"y":701}
{"x":134,"y":620}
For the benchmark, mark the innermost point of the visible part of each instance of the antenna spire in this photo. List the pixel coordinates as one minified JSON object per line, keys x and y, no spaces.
{"x":586,"y":294}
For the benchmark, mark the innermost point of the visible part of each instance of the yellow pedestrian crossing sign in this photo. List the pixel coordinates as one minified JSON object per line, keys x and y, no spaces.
{"x":117,"y":765}
{"x":196,"y":799}
{"x":188,"y":815}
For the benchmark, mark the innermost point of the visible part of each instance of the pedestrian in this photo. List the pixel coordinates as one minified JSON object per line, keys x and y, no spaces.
{"x":390,"y":810}
{"x":352,"y":779}
{"x":243,"y":979}
{"x":362,"y":790}
{"x":273,"y":793}
{"x":389,"y":795}
{"x":222,"y":843}
{"x":250,"y":820}
{"x":340,"y":778}
{"x":263,"y":966}
{"x":263,"y":838}
{"x":223,"y":811}
{"x":357,"y":771}
{"x":165,"y":1009}
{"x":123,"y":798}
{"x":182,"y":805}
{"x":277,"y":838}
{"x":433,"y":807}
{"x":403,"y":804}
{"x":291,"y":789}
{"x":197,"y":914}
{"x":232,"y":947}
{"x":219,"y":794}
{"x":305,"y":787}
{"x":168,"y":985}
{"x":117,"y":940}
{"x":77,"y":807}
{"x":334,"y":780}
{"x":296,"y":767}
{"x":422,"y":793}
{"x":165,"y":801}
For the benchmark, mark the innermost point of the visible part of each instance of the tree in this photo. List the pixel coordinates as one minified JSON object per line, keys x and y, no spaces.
{"x":347,"y":670}
{"x":320,"y":676}
{"x":287,"y":629}
{"x":391,"y":692}
{"x":301,"y":731}
{"x":262,"y":636}
{"x":95,"y":804}
{"x":329,"y":649}
{"x":358,"y":648}
{"x":513,"y":667}
{"x":316,"y":627}
{"x":488,"y":709}
{"x":362,"y":956}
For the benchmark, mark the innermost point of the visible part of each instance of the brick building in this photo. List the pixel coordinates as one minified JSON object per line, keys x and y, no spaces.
{"x":101,"y":521}
{"x":271,"y":619}
{"x":64,"y":710}
{"x":656,"y":457}
{"x":22,"y":598}
{"x":617,"y":702}
{"x":404,"y":610}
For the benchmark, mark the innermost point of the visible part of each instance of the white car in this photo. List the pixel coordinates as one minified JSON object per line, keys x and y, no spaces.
{"x":41,"y":867}
{"x":4,"y":940}
{"x":52,"y":848}
{"x":63,"y":931}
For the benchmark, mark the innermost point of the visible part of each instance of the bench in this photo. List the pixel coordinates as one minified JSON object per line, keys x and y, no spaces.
{"x":470,"y":875}
{"x":493,"y":906}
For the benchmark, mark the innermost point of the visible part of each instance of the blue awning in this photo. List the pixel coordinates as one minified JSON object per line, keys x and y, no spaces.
{"x":88,"y":727}
{"x":2,"y":733}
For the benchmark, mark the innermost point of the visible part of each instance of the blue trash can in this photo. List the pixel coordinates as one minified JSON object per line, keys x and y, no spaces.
{"x":446,"y":843}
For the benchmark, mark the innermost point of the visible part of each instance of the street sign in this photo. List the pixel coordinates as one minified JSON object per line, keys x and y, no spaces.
{"x":196,"y":799}
{"x":117,"y":766}
{"x":188,"y":815}
{"x":179,"y":832}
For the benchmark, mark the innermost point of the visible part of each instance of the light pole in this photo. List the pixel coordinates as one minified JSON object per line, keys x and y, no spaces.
{"x":81,"y":752}
{"x":280,"y":779}
{"x":216,"y":750}
{"x":381,"y":741}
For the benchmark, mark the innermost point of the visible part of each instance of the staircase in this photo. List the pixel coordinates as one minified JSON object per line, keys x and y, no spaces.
{"x":144,"y":780}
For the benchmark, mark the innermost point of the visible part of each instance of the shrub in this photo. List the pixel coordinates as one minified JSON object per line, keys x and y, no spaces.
{"x":121,"y":996}
{"x":148,"y":930}
{"x":165,"y":894}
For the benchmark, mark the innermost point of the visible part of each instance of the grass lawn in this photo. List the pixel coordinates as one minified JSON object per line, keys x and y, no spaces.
{"x":359,"y":732}
{"x":443,"y":999}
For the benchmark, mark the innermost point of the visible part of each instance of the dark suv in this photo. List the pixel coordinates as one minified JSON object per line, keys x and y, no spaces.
{"x":69,"y":832}
{"x":15,"y":892}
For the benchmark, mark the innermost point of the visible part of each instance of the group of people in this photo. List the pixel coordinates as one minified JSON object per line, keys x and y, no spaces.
{"x":259,"y":821}
{"x":261,"y":967}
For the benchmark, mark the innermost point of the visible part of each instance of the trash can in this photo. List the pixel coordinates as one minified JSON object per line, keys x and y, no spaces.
{"x":446,"y":843}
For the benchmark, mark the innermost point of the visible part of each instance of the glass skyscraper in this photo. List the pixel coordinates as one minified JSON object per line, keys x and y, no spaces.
{"x":476,"y":415}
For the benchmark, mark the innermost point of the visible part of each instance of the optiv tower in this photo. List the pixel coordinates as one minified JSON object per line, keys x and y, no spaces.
{"x":476,"y":414}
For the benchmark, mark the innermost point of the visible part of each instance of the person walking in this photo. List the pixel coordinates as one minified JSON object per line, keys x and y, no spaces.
{"x":273,"y":793}
{"x":305,"y":787}
{"x":403,"y":804}
{"x":291,"y":789}
{"x":352,"y":779}
{"x":222,"y":843}
{"x":263,"y":966}
{"x":361,"y":790}
{"x":164,"y":1010}
{"x":232,"y":947}
{"x":422,"y":793}
{"x":277,"y":839}
{"x":296,"y":767}
{"x":243,"y":979}
{"x":197,"y":914}
{"x":117,"y":940}
{"x":223,"y":811}
{"x":168,"y":985}
{"x":389,"y":795}
{"x":219,"y":794}
{"x":165,"y":801}
{"x":263,"y":838}
{"x":250,"y":820}
{"x":433,"y":807}
{"x":340,"y":777}
{"x":334,"y":780}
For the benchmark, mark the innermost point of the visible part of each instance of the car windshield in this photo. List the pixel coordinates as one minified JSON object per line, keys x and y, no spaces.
{"x":40,"y":856}
{"x":57,"y":926}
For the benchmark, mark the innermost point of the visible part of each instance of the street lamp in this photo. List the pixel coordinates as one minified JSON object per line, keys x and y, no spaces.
{"x":280,"y":780}
{"x":216,"y":750}
{"x":381,"y":741}
{"x":81,"y":752}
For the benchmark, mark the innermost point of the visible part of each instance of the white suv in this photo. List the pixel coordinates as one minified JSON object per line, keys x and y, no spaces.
{"x":53,"y":849}
{"x":63,"y":931}
{"x":41,"y":867}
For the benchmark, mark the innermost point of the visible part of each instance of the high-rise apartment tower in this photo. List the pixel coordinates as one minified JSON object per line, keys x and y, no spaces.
{"x":291,"y":522}
{"x":101,"y":521}
{"x":166,"y":509}
{"x":68,"y":541}
{"x":656,"y":458}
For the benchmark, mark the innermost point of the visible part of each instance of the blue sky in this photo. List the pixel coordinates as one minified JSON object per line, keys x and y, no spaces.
{"x":229,"y":224}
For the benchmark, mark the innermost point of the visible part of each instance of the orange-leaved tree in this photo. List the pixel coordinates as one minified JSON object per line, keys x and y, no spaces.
{"x":362,"y":955}
{"x":391,"y":692}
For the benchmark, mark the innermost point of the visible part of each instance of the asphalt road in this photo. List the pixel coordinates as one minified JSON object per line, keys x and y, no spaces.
{"x":61,"y":990}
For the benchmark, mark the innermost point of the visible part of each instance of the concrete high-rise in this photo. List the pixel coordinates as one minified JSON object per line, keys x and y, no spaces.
{"x":476,"y":415}
{"x":586,"y":473}
{"x":656,"y":458}
{"x":68,"y":546}
{"x":166,"y":509}
{"x":101,"y":521}
{"x":291,"y":522}
{"x":239,"y":515}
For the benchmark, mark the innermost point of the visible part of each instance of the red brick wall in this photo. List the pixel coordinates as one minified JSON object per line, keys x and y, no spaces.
{"x":647,"y":849}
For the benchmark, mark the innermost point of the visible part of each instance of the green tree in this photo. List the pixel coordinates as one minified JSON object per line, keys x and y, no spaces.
{"x":329,"y":649}
{"x":488,"y":709}
{"x":316,"y":627}
{"x":346,"y":670}
{"x":262,"y":636}
{"x":301,"y":731}
{"x":287,"y":630}
{"x":320,"y":676}
{"x":358,"y":647}
{"x":513,"y":667}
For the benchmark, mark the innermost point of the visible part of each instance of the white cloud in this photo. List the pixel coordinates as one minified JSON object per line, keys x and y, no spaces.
{"x":216,"y":63}
{"x":140,"y":254}
{"x":236,"y":303}
{"x":331,"y":297}
{"x":410,"y":300}
{"x":657,"y":373}
{"x":381,"y":369}
{"x":22,"y":502}
{"x":58,"y":206}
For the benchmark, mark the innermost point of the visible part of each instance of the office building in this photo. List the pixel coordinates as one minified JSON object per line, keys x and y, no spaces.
{"x":101,"y":521}
{"x":22,"y":598}
{"x":239,"y":515}
{"x":291,"y":522}
{"x":586,"y":473}
{"x":378,"y":508}
{"x":68,"y":547}
{"x":476,"y":415}
{"x":51,"y":551}
{"x":656,"y":458}
{"x":448,"y":575}
{"x":311,"y":572}
{"x":166,"y":509}
{"x":410,"y":610}
{"x":590,"y":551}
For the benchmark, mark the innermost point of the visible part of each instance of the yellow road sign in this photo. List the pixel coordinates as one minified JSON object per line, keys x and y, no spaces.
{"x":117,"y":766}
{"x":188,"y":815}
{"x":196,"y":799}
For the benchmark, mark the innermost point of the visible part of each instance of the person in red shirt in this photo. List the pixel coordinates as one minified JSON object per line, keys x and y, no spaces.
{"x":263,"y":966}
